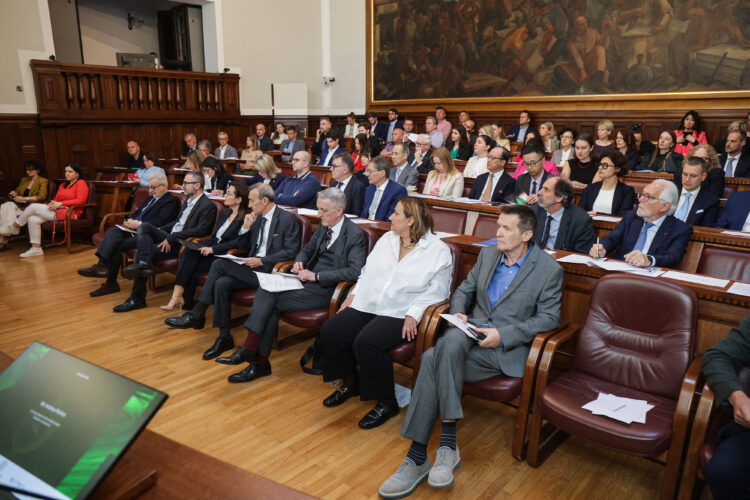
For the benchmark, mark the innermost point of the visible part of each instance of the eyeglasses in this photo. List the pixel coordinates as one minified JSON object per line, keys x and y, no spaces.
{"x":648,"y":197}
{"x":566,"y":136}
{"x":605,"y":166}
{"x":532,"y":163}
{"x":154,"y":188}
{"x":371,"y":171}
{"x":185,"y":183}
{"x":498,"y":158}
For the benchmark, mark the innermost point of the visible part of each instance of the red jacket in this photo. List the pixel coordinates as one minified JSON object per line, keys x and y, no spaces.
{"x":77,"y":194}
{"x":684,"y":148}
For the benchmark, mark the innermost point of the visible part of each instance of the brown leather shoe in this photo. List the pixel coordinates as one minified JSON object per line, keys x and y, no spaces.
{"x":106,"y":289}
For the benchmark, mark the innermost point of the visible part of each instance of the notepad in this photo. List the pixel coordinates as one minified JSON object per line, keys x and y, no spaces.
{"x":696,"y":278}
{"x":307,"y":211}
{"x":738,"y":288}
{"x":606,"y":218}
{"x":625,"y":410}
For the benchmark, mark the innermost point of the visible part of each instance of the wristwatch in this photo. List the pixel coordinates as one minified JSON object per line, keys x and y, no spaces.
{"x":317,"y":276}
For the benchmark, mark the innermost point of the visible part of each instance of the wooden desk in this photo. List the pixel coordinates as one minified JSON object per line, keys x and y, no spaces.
{"x":112,"y":196}
{"x":184,"y":472}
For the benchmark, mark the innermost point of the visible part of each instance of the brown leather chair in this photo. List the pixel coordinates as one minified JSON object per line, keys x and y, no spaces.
{"x":450,"y":221}
{"x":628,"y":347}
{"x":723,"y":263}
{"x":81,"y":224}
{"x":704,"y":436}
{"x":111,"y":219}
{"x":485,"y":227}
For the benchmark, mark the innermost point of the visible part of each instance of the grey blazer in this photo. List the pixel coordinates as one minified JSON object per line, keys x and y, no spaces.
{"x":409,"y":177}
{"x":530,"y":304}
{"x":299,"y":145}
{"x":230,"y":152}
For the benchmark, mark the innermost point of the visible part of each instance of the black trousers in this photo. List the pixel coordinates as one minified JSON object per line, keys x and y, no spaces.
{"x":354,"y":336}
{"x":728,"y":472}
{"x":110,"y":251}
{"x":225,"y":277}
{"x":147,"y":239}
{"x":192,"y":264}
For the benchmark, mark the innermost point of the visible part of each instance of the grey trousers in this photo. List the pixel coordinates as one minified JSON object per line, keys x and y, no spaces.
{"x":455,"y":359}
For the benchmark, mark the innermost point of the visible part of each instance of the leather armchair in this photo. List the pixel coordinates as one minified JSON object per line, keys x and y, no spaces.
{"x":85,"y":221}
{"x":724,"y":263}
{"x":485,"y":227}
{"x":110,"y":220}
{"x":629,"y":347}
{"x":451,"y":221}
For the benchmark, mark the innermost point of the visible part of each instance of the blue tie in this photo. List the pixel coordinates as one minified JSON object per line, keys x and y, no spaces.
{"x":146,"y":207}
{"x":642,"y":237}
{"x":683,"y":212}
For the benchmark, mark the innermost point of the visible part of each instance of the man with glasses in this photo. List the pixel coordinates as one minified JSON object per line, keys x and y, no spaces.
{"x":224,"y":150}
{"x":650,"y":236}
{"x":382,"y":195}
{"x":342,"y":173}
{"x":495,"y":185}
{"x":196,"y":220}
{"x":301,"y":189}
{"x":562,"y":224}
{"x":530,"y":182}
{"x":191,"y":142}
{"x":402,"y":172}
{"x":408,"y":130}
{"x":158,"y":209}
{"x":422,"y":153}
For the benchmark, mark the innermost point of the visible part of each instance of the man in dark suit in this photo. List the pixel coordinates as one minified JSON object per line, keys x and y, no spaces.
{"x":697,"y":207}
{"x":158,"y":209}
{"x":336,"y":252}
{"x":422,"y":154}
{"x":300,"y":189}
{"x":501,"y":186}
{"x":135,"y":155}
{"x":562,"y":225}
{"x":320,"y":146}
{"x":650,"y":236}
{"x":196,"y":219}
{"x":264,"y":142}
{"x":382,"y":195}
{"x":530,"y":182}
{"x":191,"y":142}
{"x":377,"y":129}
{"x":736,"y":213}
{"x":270,"y":235}
{"x":342,"y":173}
{"x":333,"y":141}
{"x":291,"y":145}
{"x":518,"y":132}
{"x":392,"y":124}
{"x":734,"y":162}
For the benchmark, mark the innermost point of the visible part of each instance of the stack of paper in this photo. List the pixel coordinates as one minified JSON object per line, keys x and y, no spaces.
{"x":696,"y":278}
{"x":737,"y":233}
{"x":307,"y":211}
{"x":616,"y":265}
{"x":623,"y":409}
{"x":606,"y":218}
{"x":442,"y":234}
{"x":576,"y":258}
{"x":738,"y":288}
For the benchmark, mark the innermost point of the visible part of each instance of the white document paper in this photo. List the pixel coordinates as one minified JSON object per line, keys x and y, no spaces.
{"x":412,"y":137}
{"x":364,"y":221}
{"x":216,"y":197}
{"x":576,"y":258}
{"x":126,"y":229}
{"x":619,"y":266}
{"x":181,"y":169}
{"x":464,"y":327}
{"x":233,"y":258}
{"x":307,"y":211}
{"x":277,"y":282}
{"x":464,"y":199}
{"x":737,"y":233}
{"x":350,"y":216}
{"x":441,"y":234}
{"x":606,"y":218}
{"x":739,"y":288}
{"x":623,"y":409}
{"x":551,"y":252}
{"x":696,"y":278}
{"x":241,"y":176}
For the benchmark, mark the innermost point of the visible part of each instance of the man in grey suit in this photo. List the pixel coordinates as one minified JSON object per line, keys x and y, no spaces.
{"x":512,"y":293}
{"x":402,"y":172}
{"x":562,"y":225}
{"x":291,"y":145}
{"x":336,"y":252}
{"x":224,"y":150}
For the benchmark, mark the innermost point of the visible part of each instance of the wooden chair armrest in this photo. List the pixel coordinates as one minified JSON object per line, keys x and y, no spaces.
{"x":536,"y":350}
{"x":339,"y":294}
{"x":430,"y":331}
{"x":107,"y":217}
{"x":73,"y":207}
{"x":701,"y":422}
{"x":283,"y":266}
{"x":237,"y":251}
{"x":559,"y":339}
{"x":198,"y":239}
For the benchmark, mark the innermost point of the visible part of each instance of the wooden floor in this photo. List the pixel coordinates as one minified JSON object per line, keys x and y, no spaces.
{"x":277,"y":426}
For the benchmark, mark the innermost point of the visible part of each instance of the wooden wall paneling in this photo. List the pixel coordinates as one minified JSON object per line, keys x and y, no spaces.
{"x":20,"y":141}
{"x":111,"y":145}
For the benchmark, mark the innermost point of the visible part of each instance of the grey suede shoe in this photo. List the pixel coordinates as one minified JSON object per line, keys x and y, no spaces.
{"x":406,"y":478}
{"x":446,"y":461}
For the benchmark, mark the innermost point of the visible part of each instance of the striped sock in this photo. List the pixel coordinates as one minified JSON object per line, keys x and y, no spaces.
{"x":417,"y":453}
{"x":448,"y":435}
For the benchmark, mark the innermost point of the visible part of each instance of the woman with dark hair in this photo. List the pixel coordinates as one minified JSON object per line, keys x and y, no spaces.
{"x":279,"y":134}
{"x":31,"y":189}
{"x":566,"y":151}
{"x":75,"y":191}
{"x":609,"y":196}
{"x":360,"y":142}
{"x":216,"y":178}
{"x":625,"y":144}
{"x":409,"y":269}
{"x":663,"y":159}
{"x":459,"y":146}
{"x":689,"y":134}
{"x":149,"y":167}
{"x":193,"y":263}
{"x":582,"y":169}
{"x":477,"y":164}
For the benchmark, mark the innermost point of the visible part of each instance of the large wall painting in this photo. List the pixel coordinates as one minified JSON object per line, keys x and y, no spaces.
{"x":423,"y":49}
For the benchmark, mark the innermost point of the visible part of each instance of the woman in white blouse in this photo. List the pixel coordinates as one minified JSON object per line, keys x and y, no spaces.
{"x":566,"y":151}
{"x":279,"y":134}
{"x":408,"y":270}
{"x":193,"y":263}
{"x":477,"y":164}
{"x":445,"y":180}
{"x":609,"y":196}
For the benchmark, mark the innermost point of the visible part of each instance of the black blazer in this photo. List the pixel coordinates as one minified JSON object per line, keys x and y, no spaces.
{"x":714,"y":183}
{"x":705,"y":209}
{"x":229,"y":235}
{"x":523,"y":182}
{"x":632,"y":157}
{"x":355,"y":195}
{"x":221,"y":183}
{"x":741,"y":168}
{"x":622,"y":201}
{"x":504,"y":188}
{"x":275,"y":182}
{"x":464,"y":152}
{"x":576,"y":231}
{"x":426,"y":165}
{"x":266,"y":144}
{"x":161,"y":212}
{"x":350,"y":254}
{"x":198,"y":224}
{"x":283,"y":239}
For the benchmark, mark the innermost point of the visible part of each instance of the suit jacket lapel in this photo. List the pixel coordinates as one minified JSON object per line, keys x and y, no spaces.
{"x":661,"y":234}
{"x":484,"y":283}
{"x":562,"y":230}
{"x":272,"y":229}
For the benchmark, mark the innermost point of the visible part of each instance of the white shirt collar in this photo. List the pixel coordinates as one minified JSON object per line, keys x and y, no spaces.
{"x":382,"y":187}
{"x":269,"y":215}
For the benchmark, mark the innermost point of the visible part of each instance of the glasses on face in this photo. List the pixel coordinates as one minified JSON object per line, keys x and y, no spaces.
{"x":566,"y":136}
{"x":532,"y":163}
{"x":423,"y":145}
{"x":648,"y":197}
{"x":370,"y":171}
{"x":185,"y":183}
{"x":229,"y":193}
{"x":605,"y":166}
{"x":498,"y":158}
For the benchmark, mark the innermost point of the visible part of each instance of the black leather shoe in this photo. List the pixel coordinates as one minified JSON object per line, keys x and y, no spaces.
{"x":251,"y":373}
{"x":130,"y":305}
{"x":140,"y":270}
{"x":106,"y":289}
{"x":378,"y":416}
{"x":186,"y":321}
{"x":341,"y":394}
{"x":222,"y":344}
{"x":95,"y":271}
{"x":240,"y":355}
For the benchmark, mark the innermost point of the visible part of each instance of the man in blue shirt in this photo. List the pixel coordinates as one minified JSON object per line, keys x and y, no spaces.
{"x":302,"y":189}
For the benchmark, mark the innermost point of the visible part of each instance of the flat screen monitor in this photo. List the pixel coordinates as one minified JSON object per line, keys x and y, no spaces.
{"x":65,"y":422}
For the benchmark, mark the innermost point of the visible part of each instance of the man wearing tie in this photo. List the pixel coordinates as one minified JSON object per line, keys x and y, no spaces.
{"x":495,"y":185}
{"x":333,"y":138}
{"x":562,"y":224}
{"x":336,"y":252}
{"x":191,"y":142}
{"x":224,"y":150}
{"x":530,"y":182}
{"x":270,"y":235}
{"x":734,"y":163}
{"x":158,"y":209}
{"x":392,"y":124}
{"x":300,"y":189}
{"x":650,"y":236}
{"x":342,"y":173}
{"x":422,"y":154}
{"x":402,"y":172}
{"x":697,"y":207}
{"x":382,"y":195}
